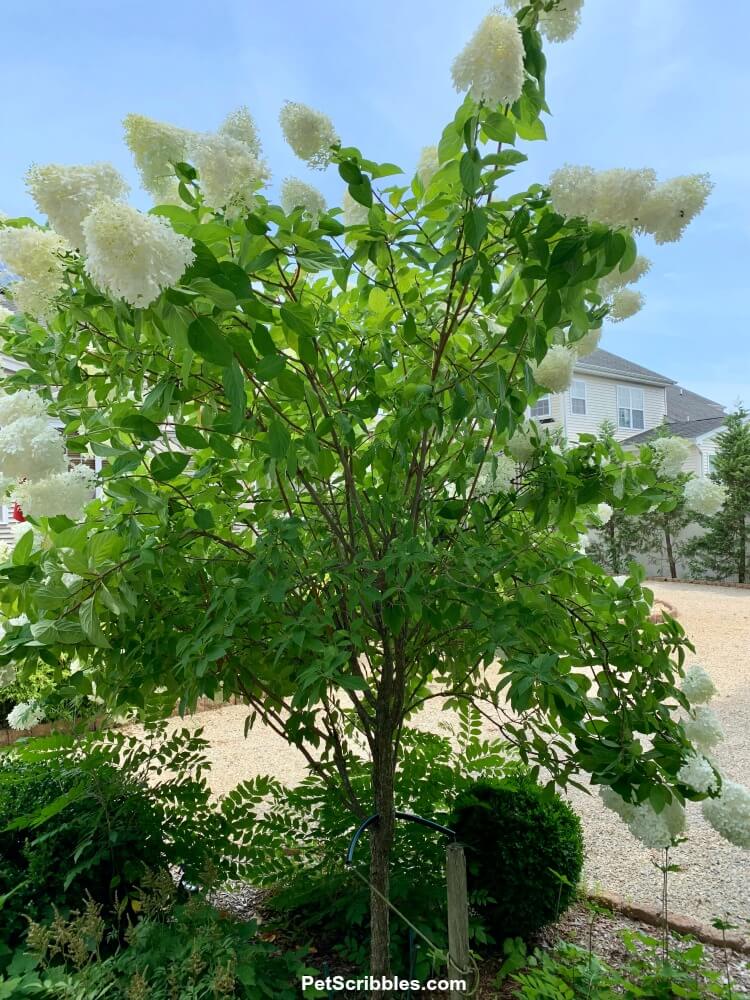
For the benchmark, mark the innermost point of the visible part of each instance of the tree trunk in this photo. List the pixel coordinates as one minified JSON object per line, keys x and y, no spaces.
{"x":670,"y":552}
{"x":381,"y":842}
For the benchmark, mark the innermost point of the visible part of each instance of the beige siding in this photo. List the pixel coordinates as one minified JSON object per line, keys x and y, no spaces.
{"x":694,"y":462}
{"x":601,"y":405}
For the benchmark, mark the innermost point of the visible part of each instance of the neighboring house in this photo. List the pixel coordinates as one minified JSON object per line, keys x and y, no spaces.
{"x":636,"y":401}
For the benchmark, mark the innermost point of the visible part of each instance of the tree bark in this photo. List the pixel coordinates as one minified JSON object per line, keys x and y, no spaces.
{"x":670,"y":552}
{"x":381,"y":842}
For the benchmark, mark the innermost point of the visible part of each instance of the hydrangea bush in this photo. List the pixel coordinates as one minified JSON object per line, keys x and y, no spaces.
{"x":320,"y":491}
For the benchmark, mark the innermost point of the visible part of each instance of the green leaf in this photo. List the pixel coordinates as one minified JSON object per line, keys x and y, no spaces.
{"x":189,"y":437}
{"x":362,"y":192}
{"x":263,"y":340}
{"x":90,"y":624}
{"x":140,"y":427}
{"x":278,"y":439}
{"x":22,"y":549}
{"x":207,"y":340}
{"x":168,"y":465}
{"x":499,"y":127}
{"x":470,"y":171}
{"x":270,"y":366}
{"x":450,"y":143}
{"x":204,"y":519}
{"x":308,"y":351}
{"x":475,"y":227}
{"x":552,"y":310}
{"x":255,"y":225}
{"x":234,"y":388}
{"x":299,"y":319}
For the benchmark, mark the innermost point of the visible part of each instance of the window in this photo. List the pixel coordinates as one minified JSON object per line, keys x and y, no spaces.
{"x":541,"y":408}
{"x":577,"y":396}
{"x":630,"y":407}
{"x":711,"y":462}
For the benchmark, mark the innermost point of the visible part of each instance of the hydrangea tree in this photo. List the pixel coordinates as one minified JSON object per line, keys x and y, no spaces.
{"x":319,"y":491}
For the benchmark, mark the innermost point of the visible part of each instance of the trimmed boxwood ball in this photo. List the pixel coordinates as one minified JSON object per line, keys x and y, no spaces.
{"x":517,"y":836}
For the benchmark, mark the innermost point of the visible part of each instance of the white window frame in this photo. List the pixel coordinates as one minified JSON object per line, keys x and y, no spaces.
{"x":546,"y":403}
{"x":5,"y":513}
{"x":627,"y":396}
{"x":578,"y":394}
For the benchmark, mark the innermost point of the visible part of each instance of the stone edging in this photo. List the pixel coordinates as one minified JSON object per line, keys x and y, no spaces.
{"x":677,"y":922}
{"x":700,"y":583}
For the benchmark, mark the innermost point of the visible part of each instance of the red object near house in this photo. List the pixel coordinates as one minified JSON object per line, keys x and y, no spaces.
{"x":17,"y":514}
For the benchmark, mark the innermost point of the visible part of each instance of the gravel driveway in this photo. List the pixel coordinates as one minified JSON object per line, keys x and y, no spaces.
{"x":714,"y":879}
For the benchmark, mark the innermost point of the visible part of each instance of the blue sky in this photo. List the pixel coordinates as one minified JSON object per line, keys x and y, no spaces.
{"x":644,"y":83}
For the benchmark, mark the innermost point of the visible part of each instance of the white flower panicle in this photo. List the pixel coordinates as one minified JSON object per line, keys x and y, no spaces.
{"x":5,"y":313}
{"x":658,"y":831}
{"x":36,"y":255}
{"x":558,"y":24}
{"x":703,"y":728}
{"x":17,"y":405}
{"x":670,"y":454}
{"x":630,"y":198}
{"x":156,"y":146}
{"x":555,"y":370}
{"x":30,"y":448}
{"x":133,"y":256}
{"x":66,"y":195}
{"x":698,"y":774}
{"x":619,"y":279}
{"x":587,"y":343}
{"x":354,"y":213}
{"x":490,"y":66}
{"x":241,"y":126}
{"x":63,"y":493}
{"x":310,"y":133}
{"x":604,"y":512}
{"x":704,"y":496}
{"x":25,"y":715}
{"x":616,"y":803}
{"x":672,"y":206}
{"x":296,"y":194}
{"x":495,"y":477}
{"x":428,"y":164}
{"x":624,"y":304}
{"x":697,"y":685}
{"x":522,"y":445}
{"x":229,"y":173}
{"x":729,"y":814}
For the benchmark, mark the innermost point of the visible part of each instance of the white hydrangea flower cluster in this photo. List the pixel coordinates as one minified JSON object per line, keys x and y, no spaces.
{"x":624,"y":303}
{"x":619,"y":279}
{"x":670,"y":454}
{"x":630,"y":198}
{"x":656,"y":831}
{"x":297,"y":194}
{"x":156,"y":146}
{"x":62,"y":493}
{"x":25,"y":715}
{"x":729,"y":813}
{"x":495,"y":480}
{"x":522,"y":444}
{"x":355,"y":214}
{"x":698,"y":774}
{"x":555,"y":370}
{"x":240,"y":125}
{"x":558,"y":24}
{"x":702,"y":728}
{"x":66,"y":195}
{"x":428,"y":164}
{"x":704,"y":496}
{"x":230,"y":174}
{"x":490,"y":66}
{"x":604,"y":512}
{"x":36,"y":256}
{"x":588,"y":343}
{"x":133,"y":256}
{"x":30,"y":448}
{"x":310,"y":133}
{"x":697,"y":685}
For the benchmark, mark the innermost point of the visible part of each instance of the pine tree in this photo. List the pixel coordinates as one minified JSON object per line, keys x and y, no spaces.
{"x":722,"y":551}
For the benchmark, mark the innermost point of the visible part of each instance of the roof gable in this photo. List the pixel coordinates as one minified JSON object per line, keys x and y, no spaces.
{"x":610,"y":365}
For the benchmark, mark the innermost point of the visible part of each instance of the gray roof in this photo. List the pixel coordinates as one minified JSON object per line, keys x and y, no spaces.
{"x":684,"y":428}
{"x":684,"y":405}
{"x":604,"y":363}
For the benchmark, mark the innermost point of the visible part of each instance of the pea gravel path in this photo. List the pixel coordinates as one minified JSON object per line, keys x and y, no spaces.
{"x":714,"y":879}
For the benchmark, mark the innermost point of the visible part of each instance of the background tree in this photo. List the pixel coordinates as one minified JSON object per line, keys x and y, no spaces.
{"x":307,"y":498}
{"x":723,"y":550}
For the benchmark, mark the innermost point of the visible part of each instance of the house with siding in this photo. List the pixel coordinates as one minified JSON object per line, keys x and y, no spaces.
{"x":636,"y":401}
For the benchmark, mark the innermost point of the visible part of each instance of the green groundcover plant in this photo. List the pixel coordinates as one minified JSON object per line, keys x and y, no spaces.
{"x":319,"y":490}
